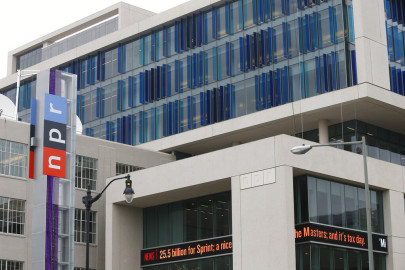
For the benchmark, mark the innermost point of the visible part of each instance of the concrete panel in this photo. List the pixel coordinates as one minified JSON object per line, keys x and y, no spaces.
{"x":236,"y":223}
{"x":80,"y":255}
{"x":271,"y":239}
{"x":369,"y":20}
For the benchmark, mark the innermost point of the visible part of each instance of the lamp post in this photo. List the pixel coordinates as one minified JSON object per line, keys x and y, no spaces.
{"x":302,"y":149}
{"x":88,"y":201}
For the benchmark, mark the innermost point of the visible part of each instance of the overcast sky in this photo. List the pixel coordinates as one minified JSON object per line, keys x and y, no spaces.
{"x":22,"y":21}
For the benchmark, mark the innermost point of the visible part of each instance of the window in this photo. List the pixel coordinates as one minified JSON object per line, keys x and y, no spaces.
{"x":13,"y":158}
{"x":86,"y":172}
{"x":11,"y":265}
{"x":80,"y":226}
{"x":189,"y":220}
{"x":12,"y":216}
{"x":323,"y":201}
{"x":121,"y":168}
{"x":81,"y":268}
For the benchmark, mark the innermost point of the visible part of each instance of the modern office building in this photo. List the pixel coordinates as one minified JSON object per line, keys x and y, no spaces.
{"x":228,"y":88}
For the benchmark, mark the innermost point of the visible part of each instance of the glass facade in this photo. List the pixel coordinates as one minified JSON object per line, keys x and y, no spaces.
{"x":317,"y":257}
{"x":213,"y":65}
{"x":12,"y":216}
{"x":80,"y":226}
{"x":381,"y":143}
{"x":217,"y":263}
{"x":326,"y":202}
{"x":13,"y":158}
{"x":394,"y":18}
{"x":341,"y":205}
{"x":190,"y":220}
{"x":86,"y":172}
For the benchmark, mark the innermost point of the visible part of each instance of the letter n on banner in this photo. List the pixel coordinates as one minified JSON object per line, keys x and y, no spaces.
{"x":54,"y":158}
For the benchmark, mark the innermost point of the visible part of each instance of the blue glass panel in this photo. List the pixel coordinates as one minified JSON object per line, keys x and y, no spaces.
{"x":176,"y":37}
{"x":399,"y":81}
{"x":176,"y":76}
{"x":354,"y":66}
{"x":396,"y":43}
{"x":170,"y":119}
{"x":176,"y":117}
{"x":189,"y":113}
{"x":164,"y":120}
{"x":285,"y":44}
{"x":301,"y":36}
{"x":119,"y":133}
{"x":182,"y":35}
{"x":240,"y":5}
{"x":227,"y":28}
{"x":270,"y":42}
{"x":325,"y":72}
{"x":164,"y":82}
{"x":394,"y":10}
{"x":194,"y":112}
{"x":146,"y":87}
{"x":333,"y":70}
{"x":318,"y":75}
{"x":351,"y":23}
{"x":208,"y":106}
{"x":263,"y":46}
{"x":194,"y":30}
{"x":228,"y":104}
{"x":205,"y":67}
{"x":257,"y":93}
{"x":202,"y":102}
{"x":247,"y":53}
{"x":261,"y":9}
{"x":119,"y":95}
{"x":181,"y":77}
{"x":88,"y":69}
{"x":119,"y":58}
{"x":214,"y":63}
{"x":98,"y":65}
{"x":387,"y":6}
{"x":124,"y":130}
{"x":158,"y":82}
{"x":402,"y":91}
{"x":140,"y":129}
{"x":286,"y":96}
{"x":152,"y":124}
{"x":242,"y":61}
{"x":141,"y":88}
{"x":154,"y":43}
{"x":393,"y":80}
{"x":332,"y":39}
{"x":255,"y":11}
{"x":214,"y":35}
{"x":200,"y":29}
{"x":169,"y":80}
{"x":200,"y":68}
{"x":141,"y":50}
{"x":205,"y":33}
{"x":98,"y":102}
{"x":129,"y":129}
{"x":228,"y":60}
{"x":107,"y":131}
{"x":165,"y":35}
{"x":390,"y":44}
{"x":194,"y":70}
{"x":221,"y":104}
{"x":307,"y":32}
{"x":270,"y":90}
{"x":189,"y":71}
{"x":278,"y":89}
{"x":263,"y":94}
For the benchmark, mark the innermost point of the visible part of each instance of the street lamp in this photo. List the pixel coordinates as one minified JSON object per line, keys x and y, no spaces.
{"x":88,"y":201}
{"x":302,"y":149}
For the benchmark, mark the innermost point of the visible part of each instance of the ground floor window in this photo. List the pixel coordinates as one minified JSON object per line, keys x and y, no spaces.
{"x":217,"y":263}
{"x":11,"y":265}
{"x":322,"y":257}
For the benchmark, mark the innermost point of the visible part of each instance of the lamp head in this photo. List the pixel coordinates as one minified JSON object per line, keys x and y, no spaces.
{"x":128,"y":192}
{"x":301,"y":149}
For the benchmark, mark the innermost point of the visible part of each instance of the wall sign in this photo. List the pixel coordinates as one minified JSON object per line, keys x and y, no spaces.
{"x":319,"y":233}
{"x":187,"y":251}
{"x":55,"y":119}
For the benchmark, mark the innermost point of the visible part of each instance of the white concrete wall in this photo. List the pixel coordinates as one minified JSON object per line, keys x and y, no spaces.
{"x":371,"y":42}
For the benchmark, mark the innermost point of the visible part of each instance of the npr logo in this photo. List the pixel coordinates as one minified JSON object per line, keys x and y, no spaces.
{"x":54,"y":159}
